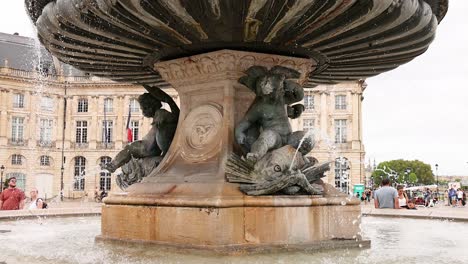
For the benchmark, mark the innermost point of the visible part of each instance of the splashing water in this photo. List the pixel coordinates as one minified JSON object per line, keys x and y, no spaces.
{"x":308,"y":134}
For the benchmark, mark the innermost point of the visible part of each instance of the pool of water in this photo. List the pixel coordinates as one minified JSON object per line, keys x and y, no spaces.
{"x":71,"y":240}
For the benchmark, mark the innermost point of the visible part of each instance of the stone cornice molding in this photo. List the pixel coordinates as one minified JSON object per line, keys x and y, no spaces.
{"x":225,"y":64}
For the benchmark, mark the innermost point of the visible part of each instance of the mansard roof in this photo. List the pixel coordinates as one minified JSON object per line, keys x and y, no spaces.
{"x":24,"y":53}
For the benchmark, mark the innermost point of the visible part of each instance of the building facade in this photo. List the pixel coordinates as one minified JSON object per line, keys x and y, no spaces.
{"x":58,"y":123}
{"x":333,"y":115}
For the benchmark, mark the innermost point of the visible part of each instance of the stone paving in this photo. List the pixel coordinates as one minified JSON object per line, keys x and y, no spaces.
{"x":439,"y":211}
{"x":66,"y":208}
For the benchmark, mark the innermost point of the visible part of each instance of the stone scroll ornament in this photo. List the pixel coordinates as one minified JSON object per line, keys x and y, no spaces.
{"x":139,"y":158}
{"x":275,"y":161}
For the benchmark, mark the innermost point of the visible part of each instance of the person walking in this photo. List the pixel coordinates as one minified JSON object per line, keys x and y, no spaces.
{"x":386,"y":196}
{"x":12,"y":198}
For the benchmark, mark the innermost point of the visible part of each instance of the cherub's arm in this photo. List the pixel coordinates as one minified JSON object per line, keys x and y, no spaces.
{"x":293,"y":92}
{"x":163,"y":97}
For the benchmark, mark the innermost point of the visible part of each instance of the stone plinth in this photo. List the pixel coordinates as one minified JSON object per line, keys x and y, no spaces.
{"x":190,"y":216}
{"x":187,"y":202}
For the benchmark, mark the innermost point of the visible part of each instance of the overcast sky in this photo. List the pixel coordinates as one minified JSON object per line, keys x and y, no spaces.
{"x":418,"y":111}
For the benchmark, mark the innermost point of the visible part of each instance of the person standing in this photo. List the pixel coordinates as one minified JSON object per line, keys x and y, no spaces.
{"x":34,"y":192}
{"x":12,"y":198}
{"x":386,"y":196}
{"x":453,"y":196}
{"x":459,"y":197}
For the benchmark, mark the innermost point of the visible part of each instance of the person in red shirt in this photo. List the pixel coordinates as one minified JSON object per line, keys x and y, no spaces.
{"x":12,"y":198}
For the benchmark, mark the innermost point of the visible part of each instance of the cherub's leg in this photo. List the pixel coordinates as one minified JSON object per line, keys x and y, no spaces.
{"x":267,"y":140}
{"x":136,"y":149}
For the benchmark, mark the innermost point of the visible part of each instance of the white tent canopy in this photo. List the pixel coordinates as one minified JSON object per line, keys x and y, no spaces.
{"x":421,"y":188}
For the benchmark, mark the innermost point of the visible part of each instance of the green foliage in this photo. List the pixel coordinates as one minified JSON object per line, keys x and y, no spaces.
{"x":412,"y":178}
{"x":421,"y":172}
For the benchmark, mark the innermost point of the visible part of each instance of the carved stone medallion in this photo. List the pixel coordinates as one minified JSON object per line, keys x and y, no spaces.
{"x":202,"y":132}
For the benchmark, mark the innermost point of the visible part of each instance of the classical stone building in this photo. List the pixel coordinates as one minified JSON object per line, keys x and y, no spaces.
{"x":334,"y":114}
{"x":38,"y":99}
{"x":55,"y":120}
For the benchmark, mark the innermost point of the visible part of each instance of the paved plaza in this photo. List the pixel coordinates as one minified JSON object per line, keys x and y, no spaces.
{"x":439,"y":211}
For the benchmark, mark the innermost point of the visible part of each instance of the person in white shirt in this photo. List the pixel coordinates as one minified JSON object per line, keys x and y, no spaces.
{"x":33,"y":205}
{"x":459,"y":197}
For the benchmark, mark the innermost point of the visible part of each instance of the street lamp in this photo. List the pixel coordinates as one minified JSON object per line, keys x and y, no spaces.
{"x":2,"y":168}
{"x":62,"y":169}
{"x":407,"y":172}
{"x":437,"y":180}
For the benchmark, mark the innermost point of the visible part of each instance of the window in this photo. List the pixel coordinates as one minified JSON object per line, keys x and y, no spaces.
{"x":18,"y":100}
{"x":105,"y":176}
{"x":81,"y":131}
{"x":342,"y":174}
{"x":308,"y":125}
{"x":308,"y":101}
{"x":45,"y":160}
{"x":16,"y":159}
{"x":45,"y":132}
{"x":134,"y":126}
{"x":107,"y":131}
{"x":79,"y":175}
{"x":20,"y":179}
{"x":17,"y":129}
{"x":47,"y":104}
{"x":340,"y":131}
{"x":340,"y":102}
{"x":82,"y":105}
{"x":108,"y":105}
{"x":134,"y":105}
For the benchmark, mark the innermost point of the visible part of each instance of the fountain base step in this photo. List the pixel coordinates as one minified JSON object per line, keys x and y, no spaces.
{"x":233,"y":222}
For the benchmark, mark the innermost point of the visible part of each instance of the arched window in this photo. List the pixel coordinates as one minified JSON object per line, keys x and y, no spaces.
{"x":105,"y":177}
{"x":20,"y":179}
{"x":17,"y":159}
{"x":45,"y":160}
{"x":342,"y":174}
{"x":80,"y":172}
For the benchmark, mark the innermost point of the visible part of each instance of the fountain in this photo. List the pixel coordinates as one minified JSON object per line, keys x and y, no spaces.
{"x":224,"y":58}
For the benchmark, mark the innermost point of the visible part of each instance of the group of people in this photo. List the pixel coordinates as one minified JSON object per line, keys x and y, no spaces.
{"x":389,"y":197}
{"x":456,"y":197}
{"x":13,"y":198}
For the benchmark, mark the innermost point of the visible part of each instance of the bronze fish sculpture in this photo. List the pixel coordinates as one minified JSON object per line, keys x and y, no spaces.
{"x":277,"y":173}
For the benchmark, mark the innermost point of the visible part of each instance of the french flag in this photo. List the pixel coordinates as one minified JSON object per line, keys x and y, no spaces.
{"x":129,"y":130}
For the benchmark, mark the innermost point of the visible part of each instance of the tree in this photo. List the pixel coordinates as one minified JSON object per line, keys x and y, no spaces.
{"x":396,"y":170}
{"x":413,"y":178}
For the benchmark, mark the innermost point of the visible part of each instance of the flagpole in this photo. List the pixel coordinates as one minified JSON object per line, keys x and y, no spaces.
{"x":105,"y":125}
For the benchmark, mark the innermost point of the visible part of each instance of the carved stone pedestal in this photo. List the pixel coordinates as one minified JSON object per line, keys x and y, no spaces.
{"x":187,"y":202}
